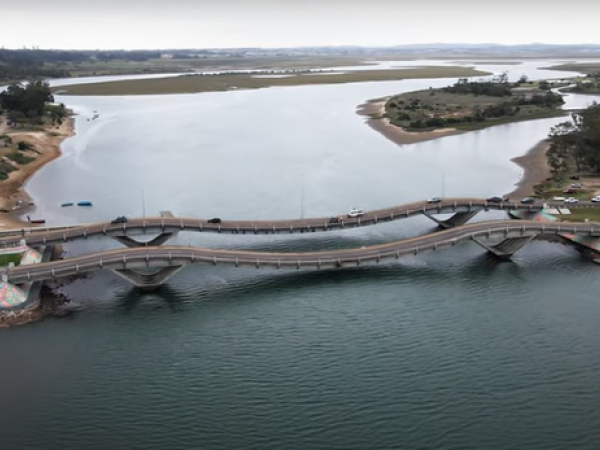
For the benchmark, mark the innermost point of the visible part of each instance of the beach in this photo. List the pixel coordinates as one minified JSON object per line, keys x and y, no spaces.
{"x":375,"y":109}
{"x":534,"y":163}
{"x":47,"y":142}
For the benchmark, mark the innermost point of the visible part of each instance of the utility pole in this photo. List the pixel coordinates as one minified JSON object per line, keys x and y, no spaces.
{"x":302,"y":203}
{"x":143,"y":204}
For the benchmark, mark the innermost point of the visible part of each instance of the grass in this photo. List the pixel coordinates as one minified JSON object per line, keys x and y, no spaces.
{"x":165,"y":65}
{"x":15,"y":258}
{"x":580,"y":215}
{"x":438,"y":103}
{"x":522,"y":116}
{"x":227,"y":82}
{"x":19,"y":158}
{"x":586,"y":68}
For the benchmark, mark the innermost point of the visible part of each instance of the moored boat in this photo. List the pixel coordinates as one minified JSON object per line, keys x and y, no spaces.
{"x":35,"y":220}
{"x":84,"y":203}
{"x":66,"y":204}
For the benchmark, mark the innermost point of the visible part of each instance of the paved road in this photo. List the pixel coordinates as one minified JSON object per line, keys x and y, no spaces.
{"x":158,"y":225}
{"x":143,"y":257}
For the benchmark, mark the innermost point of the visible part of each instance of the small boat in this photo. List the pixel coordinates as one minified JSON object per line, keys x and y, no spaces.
{"x":35,"y":220}
{"x":84,"y":203}
{"x":66,"y":204}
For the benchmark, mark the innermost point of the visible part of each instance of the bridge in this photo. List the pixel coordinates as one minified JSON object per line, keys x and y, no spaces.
{"x":163,"y":228}
{"x":151,"y":266}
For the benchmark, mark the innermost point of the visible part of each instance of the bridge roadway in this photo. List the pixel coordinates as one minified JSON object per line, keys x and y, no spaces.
{"x":174,"y":257}
{"x":463,"y":208}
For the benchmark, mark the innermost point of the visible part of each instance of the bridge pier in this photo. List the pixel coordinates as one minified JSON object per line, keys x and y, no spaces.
{"x":508,"y":247}
{"x":132,"y":243}
{"x":149,"y":280}
{"x":460,"y":218}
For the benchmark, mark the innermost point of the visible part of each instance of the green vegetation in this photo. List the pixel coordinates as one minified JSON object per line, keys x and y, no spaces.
{"x":19,"y":158}
{"x":590,"y":67}
{"x":576,"y":144}
{"x":25,"y":64}
{"x":469,"y":105}
{"x":30,"y":104}
{"x":229,"y":81}
{"x":15,"y":258}
{"x":574,"y":156}
{"x":588,"y":85}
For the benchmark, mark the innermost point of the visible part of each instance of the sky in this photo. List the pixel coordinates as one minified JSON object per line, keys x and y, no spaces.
{"x":169,"y":24}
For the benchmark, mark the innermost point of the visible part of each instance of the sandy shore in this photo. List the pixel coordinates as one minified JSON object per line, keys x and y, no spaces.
{"x":534,"y":163}
{"x":47,"y":142}
{"x":535,"y":169}
{"x":375,"y":109}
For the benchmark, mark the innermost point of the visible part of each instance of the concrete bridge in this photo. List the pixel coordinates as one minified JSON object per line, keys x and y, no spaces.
{"x":151,"y":266}
{"x":163,"y":228}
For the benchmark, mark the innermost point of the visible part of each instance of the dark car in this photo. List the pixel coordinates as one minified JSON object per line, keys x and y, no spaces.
{"x":495,"y":199}
{"x":120,"y":219}
{"x":527,"y":200}
{"x":334,"y":220}
{"x":214,"y":220}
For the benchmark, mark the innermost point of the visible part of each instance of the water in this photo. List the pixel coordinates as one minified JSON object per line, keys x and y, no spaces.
{"x":442,"y":351}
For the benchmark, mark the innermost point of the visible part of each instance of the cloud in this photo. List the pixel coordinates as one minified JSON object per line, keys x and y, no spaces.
{"x":280,"y":23}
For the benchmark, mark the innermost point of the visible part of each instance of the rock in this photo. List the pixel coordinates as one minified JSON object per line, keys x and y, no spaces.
{"x":60,"y":313}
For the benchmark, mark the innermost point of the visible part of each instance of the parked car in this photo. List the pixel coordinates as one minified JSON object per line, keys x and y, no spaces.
{"x":574,"y":177}
{"x":571,"y":200}
{"x":356,"y":212}
{"x":120,"y":219}
{"x":527,"y":200}
{"x":596,"y":199}
{"x":214,"y":220}
{"x":334,"y":220}
{"x":569,"y":191}
{"x":434,"y":200}
{"x":576,"y":185}
{"x":495,"y":199}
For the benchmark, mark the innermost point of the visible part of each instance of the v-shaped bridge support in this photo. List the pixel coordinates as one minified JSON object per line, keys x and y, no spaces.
{"x":457,"y":219}
{"x":148,"y":280}
{"x":158,"y":240}
{"x":508,"y":247}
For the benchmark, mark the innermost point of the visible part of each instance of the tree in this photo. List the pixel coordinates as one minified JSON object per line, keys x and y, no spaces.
{"x":577,"y":141}
{"x":29,"y":99}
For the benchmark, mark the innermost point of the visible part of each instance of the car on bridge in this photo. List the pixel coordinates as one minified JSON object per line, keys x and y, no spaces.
{"x":334,"y":220}
{"x":527,"y":200}
{"x":356,"y":212}
{"x":496,"y":199}
{"x":434,"y":200}
{"x":596,"y":199}
{"x":120,"y":219}
{"x":214,"y":220}
{"x":571,"y":200}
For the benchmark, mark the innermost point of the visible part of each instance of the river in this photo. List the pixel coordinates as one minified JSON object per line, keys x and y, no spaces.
{"x":442,"y":351}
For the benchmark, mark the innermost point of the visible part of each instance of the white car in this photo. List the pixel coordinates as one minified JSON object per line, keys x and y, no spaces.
{"x":559,"y":199}
{"x":356,"y":212}
{"x":596,"y":199}
{"x":571,"y":200}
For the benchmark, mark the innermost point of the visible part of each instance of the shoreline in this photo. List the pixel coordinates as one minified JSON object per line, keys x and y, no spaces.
{"x":374,"y":111}
{"x":534,"y":163}
{"x":48,"y":143}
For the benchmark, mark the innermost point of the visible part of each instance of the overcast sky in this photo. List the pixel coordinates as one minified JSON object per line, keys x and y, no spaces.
{"x":136,"y":24}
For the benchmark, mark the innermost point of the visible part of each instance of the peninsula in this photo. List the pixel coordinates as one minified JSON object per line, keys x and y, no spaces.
{"x":227,"y":81}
